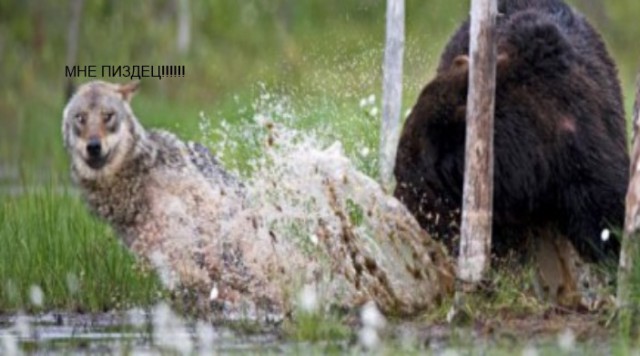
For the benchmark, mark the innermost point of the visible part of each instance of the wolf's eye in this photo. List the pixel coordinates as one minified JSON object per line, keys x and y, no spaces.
{"x":81,"y":118}
{"x":107,"y":117}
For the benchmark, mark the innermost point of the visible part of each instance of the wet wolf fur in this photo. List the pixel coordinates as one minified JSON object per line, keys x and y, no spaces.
{"x":159,"y":193}
{"x":174,"y":206}
{"x":561,"y":159}
{"x":113,"y":182}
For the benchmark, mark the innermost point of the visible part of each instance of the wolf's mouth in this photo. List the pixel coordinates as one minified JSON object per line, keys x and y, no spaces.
{"x":97,"y":162}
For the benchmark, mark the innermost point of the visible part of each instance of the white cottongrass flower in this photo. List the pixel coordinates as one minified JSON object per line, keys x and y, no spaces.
{"x":73,"y":284}
{"x":451,"y":314}
{"x":605,"y":235}
{"x":314,"y":239}
{"x":36,"y":295}
{"x":363,"y":103}
{"x":364,"y":151}
{"x":567,"y":340}
{"x":308,"y":299}
{"x":374,"y":111}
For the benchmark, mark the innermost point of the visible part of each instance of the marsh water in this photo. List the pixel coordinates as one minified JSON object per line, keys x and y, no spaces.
{"x":150,"y":332}
{"x":142,"y":332}
{"x":128,"y":332}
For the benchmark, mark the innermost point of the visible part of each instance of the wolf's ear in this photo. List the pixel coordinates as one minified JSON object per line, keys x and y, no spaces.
{"x":127,"y":90}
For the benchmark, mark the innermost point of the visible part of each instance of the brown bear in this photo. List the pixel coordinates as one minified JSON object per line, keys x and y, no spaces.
{"x":560,"y":146}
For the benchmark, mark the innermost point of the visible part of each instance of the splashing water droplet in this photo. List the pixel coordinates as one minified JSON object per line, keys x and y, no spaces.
{"x":169,"y":330}
{"x":371,"y":316}
{"x":206,"y":336}
{"x":22,"y":326}
{"x":530,"y":350}
{"x":213,"y":295}
{"x":372,"y":99}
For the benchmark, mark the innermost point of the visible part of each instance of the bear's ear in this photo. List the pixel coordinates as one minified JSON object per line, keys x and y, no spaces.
{"x":536,"y":44}
{"x":128,"y":90}
{"x":502,"y":61}
{"x":461,"y":62}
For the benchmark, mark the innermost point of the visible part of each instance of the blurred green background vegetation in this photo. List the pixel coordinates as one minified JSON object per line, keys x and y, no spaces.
{"x":324,"y":56}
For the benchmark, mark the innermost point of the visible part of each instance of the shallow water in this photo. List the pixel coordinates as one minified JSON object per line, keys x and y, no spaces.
{"x":137,"y":332}
{"x":124,"y":332}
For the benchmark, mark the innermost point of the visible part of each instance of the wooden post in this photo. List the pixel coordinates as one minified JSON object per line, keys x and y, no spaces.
{"x":73,"y":32}
{"x":391,"y":91}
{"x":477,"y":205}
{"x":183,"y":39}
{"x":630,"y":239}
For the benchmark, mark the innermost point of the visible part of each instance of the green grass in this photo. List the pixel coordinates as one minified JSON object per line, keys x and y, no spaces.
{"x":49,"y":240}
{"x":317,"y":327}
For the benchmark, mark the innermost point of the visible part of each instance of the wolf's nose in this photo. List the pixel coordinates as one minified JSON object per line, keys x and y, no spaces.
{"x":94,"y":147}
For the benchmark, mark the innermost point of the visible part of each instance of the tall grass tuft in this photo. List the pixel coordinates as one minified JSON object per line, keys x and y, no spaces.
{"x":49,"y":240}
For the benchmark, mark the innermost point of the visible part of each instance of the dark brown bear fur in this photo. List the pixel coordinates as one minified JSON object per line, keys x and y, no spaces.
{"x":561,"y":157}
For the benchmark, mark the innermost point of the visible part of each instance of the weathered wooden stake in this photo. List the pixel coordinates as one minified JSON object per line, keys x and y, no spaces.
{"x":477,"y":205}
{"x":391,"y":91}
{"x":183,"y":39}
{"x":630,"y":238}
{"x":73,"y":33}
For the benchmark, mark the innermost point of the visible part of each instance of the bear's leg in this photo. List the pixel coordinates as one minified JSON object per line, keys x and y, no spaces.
{"x":555,"y":262}
{"x":589,"y":209}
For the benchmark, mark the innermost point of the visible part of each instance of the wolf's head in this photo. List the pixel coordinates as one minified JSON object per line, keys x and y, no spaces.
{"x":99,"y":129}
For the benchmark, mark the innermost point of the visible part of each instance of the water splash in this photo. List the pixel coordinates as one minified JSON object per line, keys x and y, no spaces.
{"x":304,"y":214}
{"x":317,"y":220}
{"x":170,"y":332}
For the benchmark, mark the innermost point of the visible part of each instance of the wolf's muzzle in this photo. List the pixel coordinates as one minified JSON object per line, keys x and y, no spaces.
{"x":94,"y":148}
{"x":96,"y":155}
